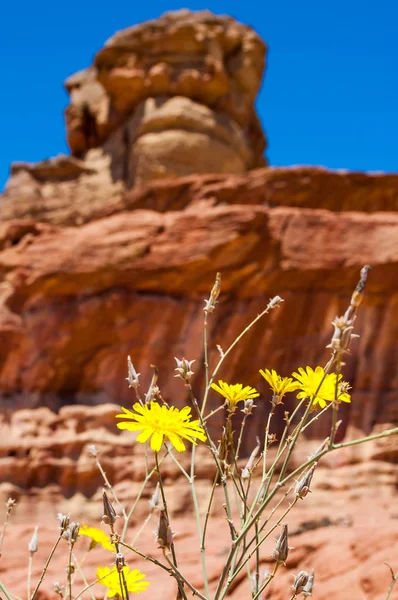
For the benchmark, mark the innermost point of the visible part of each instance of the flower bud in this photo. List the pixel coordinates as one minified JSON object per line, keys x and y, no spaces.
{"x":63,"y":522}
{"x":154,"y":501}
{"x":281,"y":549}
{"x":164,"y":535}
{"x":73,"y":532}
{"x":246,"y":472}
{"x":307,"y":591}
{"x":303,"y":485}
{"x":92,"y":451}
{"x":33,"y":544}
{"x":109,"y":517}
{"x":58,"y":589}
{"x":210,"y":304}
{"x":119,"y":561}
{"x":300,"y":581}
{"x":10,"y":504}
{"x":133,"y":376}
{"x":275,"y":301}
{"x":184,"y":369}
{"x":248,"y":406}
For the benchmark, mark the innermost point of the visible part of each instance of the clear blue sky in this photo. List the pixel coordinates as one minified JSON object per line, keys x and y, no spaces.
{"x":330,"y":94}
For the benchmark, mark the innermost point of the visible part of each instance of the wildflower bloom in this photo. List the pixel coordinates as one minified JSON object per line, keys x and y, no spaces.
{"x":97,"y":536}
{"x":110,"y":579}
{"x":321,"y":388}
{"x":157,"y":422}
{"x":235,"y":393}
{"x":279,"y":385}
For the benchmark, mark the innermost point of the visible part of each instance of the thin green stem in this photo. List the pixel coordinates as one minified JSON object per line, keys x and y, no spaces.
{"x":5,"y":592}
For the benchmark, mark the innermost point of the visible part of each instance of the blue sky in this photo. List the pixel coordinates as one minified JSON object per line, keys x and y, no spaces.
{"x":330,"y":94}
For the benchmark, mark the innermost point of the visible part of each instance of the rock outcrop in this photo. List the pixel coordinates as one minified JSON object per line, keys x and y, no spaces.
{"x":76,"y":300}
{"x":177,"y":93}
{"x":333,"y":530}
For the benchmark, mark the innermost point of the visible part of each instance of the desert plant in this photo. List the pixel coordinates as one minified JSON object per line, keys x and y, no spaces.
{"x":254,"y":506}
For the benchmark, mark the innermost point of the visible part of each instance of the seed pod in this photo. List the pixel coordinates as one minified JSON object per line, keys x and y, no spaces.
{"x":281,"y":549}
{"x":210,"y":304}
{"x":300,"y":581}
{"x":109,"y":517}
{"x":303,"y":485}
{"x":154,"y":501}
{"x":63,"y":522}
{"x":246,"y":472}
{"x":133,"y":376}
{"x":119,"y":561}
{"x":164,"y":535}
{"x":33,"y":544}
{"x":184,"y":369}
{"x":73,"y":532}
{"x":307,"y":591}
{"x":58,"y":589}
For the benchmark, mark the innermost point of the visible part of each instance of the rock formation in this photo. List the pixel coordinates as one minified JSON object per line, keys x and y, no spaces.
{"x":76,"y":299}
{"x":172,"y":97}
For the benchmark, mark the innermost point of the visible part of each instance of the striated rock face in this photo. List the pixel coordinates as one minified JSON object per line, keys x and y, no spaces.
{"x":75,"y":300}
{"x":345,"y":532}
{"x":176,"y":95}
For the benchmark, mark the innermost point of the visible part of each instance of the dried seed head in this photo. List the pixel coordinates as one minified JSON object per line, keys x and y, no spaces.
{"x":248,"y":406}
{"x":303,"y":485}
{"x":210,"y":304}
{"x":34,"y":540}
{"x":184,"y":369}
{"x":281,"y":549}
{"x":275,"y":301}
{"x":357,"y":296}
{"x":153,"y":388}
{"x":300,"y":581}
{"x":109,"y":517}
{"x":92,"y":451}
{"x":132,"y":376}
{"x":63,"y":522}
{"x":10,"y":504}
{"x":119,"y":561}
{"x":58,"y":589}
{"x":164,"y":535}
{"x":246,"y":472}
{"x":154,"y":501}
{"x":309,"y":586}
{"x":73,"y":532}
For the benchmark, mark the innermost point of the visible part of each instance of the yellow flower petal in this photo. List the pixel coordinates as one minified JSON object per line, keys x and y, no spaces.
{"x":157,"y":422}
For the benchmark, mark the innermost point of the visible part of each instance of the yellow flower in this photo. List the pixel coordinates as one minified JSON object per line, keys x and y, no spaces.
{"x":159,"y":422}
{"x":279,"y":385}
{"x":110,"y":579}
{"x":97,"y":536}
{"x":310,"y":380}
{"x":235,"y":393}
